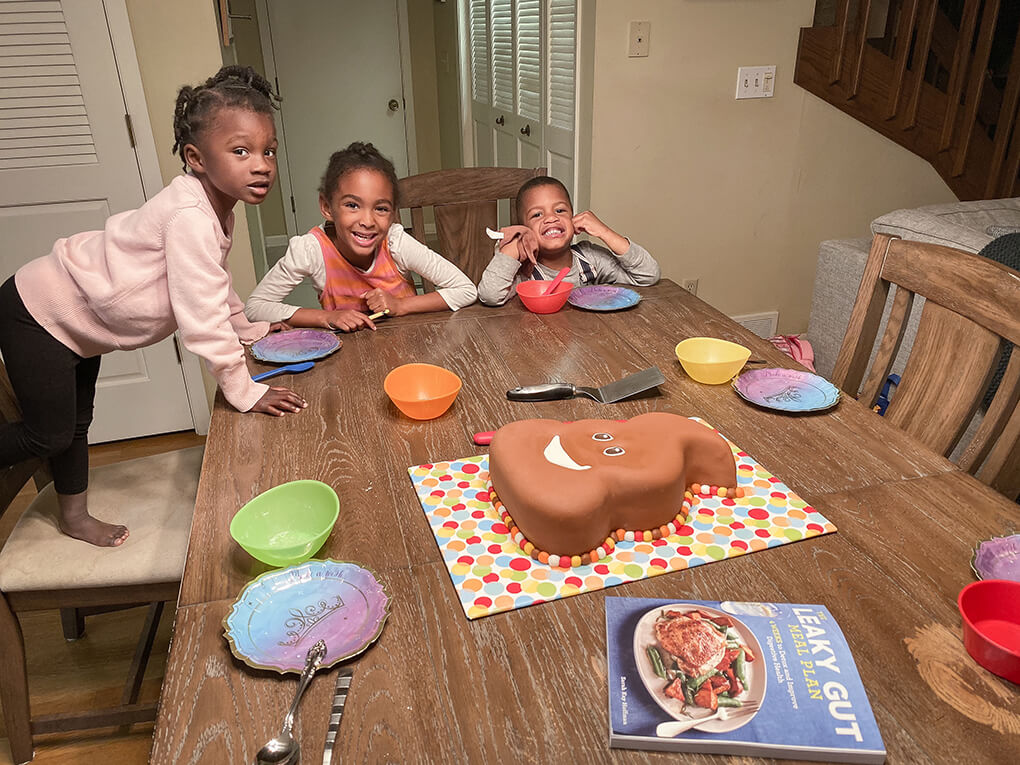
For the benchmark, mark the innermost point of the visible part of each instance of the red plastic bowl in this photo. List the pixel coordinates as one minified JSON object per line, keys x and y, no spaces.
{"x":530,"y":293}
{"x":991,"y":625}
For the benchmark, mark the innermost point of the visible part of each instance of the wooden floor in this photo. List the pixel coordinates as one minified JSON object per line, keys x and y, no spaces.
{"x":91,"y":672}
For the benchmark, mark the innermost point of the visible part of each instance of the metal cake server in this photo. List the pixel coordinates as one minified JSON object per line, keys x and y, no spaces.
{"x":615,"y":391}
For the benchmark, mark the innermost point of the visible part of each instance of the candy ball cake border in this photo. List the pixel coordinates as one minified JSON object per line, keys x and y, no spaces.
{"x":620,"y":535}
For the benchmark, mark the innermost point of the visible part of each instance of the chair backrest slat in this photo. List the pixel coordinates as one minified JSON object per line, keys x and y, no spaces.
{"x":464,"y":202}
{"x":889,"y":346}
{"x":994,"y":423}
{"x":970,"y":314}
{"x":950,"y":366}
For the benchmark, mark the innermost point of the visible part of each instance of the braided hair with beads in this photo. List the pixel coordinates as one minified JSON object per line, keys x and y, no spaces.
{"x":233,"y":86}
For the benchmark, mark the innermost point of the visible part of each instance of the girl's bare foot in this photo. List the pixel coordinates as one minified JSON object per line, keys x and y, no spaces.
{"x":76,"y":522}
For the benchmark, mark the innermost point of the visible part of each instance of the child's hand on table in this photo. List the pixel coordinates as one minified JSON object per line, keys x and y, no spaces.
{"x":279,"y":401}
{"x":519,"y":242}
{"x":347,"y":320}
{"x":279,"y":326}
{"x":380,"y":301}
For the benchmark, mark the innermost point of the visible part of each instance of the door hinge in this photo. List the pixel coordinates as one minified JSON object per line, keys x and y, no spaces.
{"x":277,"y":81}
{"x":177,"y":350}
{"x":293,"y":207}
{"x":130,"y":129}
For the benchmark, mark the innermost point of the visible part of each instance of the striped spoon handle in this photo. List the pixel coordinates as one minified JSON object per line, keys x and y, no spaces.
{"x":343,"y":685}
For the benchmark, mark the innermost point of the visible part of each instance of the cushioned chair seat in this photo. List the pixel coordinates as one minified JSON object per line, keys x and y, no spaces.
{"x":153,"y":496}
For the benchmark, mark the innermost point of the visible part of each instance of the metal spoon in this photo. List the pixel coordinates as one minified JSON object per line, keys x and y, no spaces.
{"x":284,"y":748}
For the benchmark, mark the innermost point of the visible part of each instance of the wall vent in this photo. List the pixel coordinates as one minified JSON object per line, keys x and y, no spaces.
{"x":762,"y":324}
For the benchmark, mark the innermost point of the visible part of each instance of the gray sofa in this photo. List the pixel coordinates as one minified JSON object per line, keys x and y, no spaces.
{"x":965,"y":225}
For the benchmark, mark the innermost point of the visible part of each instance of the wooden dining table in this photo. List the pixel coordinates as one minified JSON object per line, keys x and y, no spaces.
{"x":530,"y":685}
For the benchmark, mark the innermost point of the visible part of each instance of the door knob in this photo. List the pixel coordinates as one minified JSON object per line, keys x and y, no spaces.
{"x":394,"y":104}
{"x":500,"y":120}
{"x":526,"y":130}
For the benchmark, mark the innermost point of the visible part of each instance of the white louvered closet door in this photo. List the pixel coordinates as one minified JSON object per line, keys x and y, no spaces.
{"x":522,"y":57}
{"x":66,"y":164}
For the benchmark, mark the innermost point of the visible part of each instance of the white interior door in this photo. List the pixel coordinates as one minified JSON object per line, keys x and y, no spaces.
{"x":337,"y":64}
{"x":66,"y":163}
{"x":522,"y":58}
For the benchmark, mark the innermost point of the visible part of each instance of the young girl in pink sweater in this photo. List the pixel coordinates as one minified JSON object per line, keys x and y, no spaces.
{"x":150,"y":271}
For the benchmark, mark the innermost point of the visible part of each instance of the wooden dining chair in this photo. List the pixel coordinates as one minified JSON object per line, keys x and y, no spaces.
{"x":971,"y":314}
{"x":464,"y":201}
{"x":42,"y":569}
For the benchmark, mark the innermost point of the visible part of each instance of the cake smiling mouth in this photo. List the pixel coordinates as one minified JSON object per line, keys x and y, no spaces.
{"x":557,"y":455}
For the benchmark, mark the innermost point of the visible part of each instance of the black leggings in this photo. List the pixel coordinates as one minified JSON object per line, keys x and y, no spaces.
{"x":55,"y":388}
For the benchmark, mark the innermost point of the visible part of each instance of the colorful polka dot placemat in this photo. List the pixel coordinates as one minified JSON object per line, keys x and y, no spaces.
{"x":492,"y":574}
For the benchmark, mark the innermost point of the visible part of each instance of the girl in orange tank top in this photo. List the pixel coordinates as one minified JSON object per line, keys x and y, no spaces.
{"x":358,"y":199}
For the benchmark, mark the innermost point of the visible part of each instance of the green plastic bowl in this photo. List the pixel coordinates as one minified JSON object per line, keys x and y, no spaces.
{"x":287,"y":524}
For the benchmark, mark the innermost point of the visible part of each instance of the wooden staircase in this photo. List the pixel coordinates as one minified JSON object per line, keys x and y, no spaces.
{"x":939,"y":77}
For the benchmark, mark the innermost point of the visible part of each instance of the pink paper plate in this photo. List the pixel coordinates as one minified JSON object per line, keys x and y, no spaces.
{"x":998,"y":558}
{"x":295,"y":345}
{"x":786,"y":390}
{"x":278,"y":616}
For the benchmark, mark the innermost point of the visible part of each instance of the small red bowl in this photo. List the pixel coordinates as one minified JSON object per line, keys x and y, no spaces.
{"x":531,"y":294}
{"x":991,"y":625}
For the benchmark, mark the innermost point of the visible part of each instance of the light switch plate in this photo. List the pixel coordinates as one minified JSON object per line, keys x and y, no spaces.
{"x":756,"y":82}
{"x":637,"y":40}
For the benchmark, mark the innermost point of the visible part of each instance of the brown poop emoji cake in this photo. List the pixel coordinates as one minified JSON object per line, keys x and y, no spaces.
{"x":569,"y":490}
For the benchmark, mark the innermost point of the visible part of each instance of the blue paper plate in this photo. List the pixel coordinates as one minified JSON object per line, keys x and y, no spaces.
{"x":786,"y":390}
{"x":603,"y":297}
{"x":279,"y":615}
{"x":295,"y":345}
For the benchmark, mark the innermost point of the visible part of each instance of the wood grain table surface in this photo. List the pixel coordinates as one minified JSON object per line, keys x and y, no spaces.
{"x":530,"y":685}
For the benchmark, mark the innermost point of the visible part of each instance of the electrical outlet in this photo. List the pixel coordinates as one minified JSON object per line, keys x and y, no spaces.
{"x":637,"y":39}
{"x":691,"y":285}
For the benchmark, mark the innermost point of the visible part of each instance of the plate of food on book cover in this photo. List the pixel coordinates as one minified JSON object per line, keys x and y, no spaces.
{"x":694,"y":659}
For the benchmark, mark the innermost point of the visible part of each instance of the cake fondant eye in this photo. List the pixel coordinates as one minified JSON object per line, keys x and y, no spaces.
{"x":613,"y":451}
{"x":602,"y":437}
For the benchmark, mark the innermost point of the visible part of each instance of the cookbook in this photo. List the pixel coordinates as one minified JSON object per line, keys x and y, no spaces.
{"x":759,"y":679}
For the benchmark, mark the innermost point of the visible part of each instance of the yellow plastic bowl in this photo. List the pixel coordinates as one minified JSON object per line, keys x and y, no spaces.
{"x":422,"y":391}
{"x":710,"y":360}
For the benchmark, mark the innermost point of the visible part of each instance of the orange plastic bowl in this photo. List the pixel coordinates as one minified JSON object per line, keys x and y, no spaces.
{"x":991,"y":625}
{"x":530,"y":293}
{"x":422,"y":391}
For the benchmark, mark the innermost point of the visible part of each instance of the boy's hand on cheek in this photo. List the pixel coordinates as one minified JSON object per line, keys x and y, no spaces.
{"x":347,"y":320}
{"x":588,"y":223}
{"x":379,"y":300}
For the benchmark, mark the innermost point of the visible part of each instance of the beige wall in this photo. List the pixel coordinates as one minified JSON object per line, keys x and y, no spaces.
{"x":736,"y":194}
{"x":177,"y":44}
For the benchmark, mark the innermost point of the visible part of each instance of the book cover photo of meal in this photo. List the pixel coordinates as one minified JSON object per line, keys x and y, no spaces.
{"x":766,"y":679}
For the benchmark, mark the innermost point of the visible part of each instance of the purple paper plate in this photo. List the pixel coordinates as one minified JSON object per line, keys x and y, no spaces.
{"x":603,"y":297}
{"x":295,"y":345}
{"x":279,"y":615}
{"x":998,"y":558}
{"x":787,"y":390}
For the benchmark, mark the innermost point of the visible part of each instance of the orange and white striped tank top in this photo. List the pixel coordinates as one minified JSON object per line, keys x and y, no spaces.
{"x":345,"y":284}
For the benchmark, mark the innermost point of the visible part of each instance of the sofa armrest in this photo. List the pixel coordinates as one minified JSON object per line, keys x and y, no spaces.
{"x":964,"y":225}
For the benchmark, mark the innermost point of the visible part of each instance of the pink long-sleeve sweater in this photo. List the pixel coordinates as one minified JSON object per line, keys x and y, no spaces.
{"x":149,"y":272}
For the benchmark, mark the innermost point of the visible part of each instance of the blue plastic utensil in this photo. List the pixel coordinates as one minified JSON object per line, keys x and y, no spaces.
{"x":304,"y":366}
